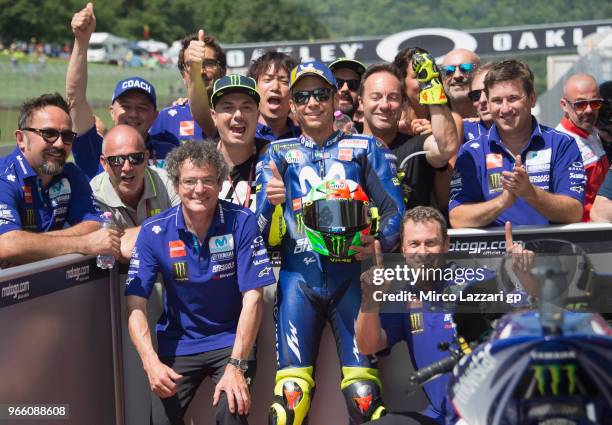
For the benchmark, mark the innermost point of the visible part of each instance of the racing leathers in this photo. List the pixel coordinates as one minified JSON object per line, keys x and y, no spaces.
{"x":313,"y":288}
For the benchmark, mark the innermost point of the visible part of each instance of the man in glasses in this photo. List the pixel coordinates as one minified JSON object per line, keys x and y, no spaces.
{"x":215,"y":266}
{"x":201,"y":61}
{"x":457,"y":68}
{"x":133,"y":103}
{"x":348,"y":73}
{"x":581,"y":103}
{"x":314,"y":288}
{"x":271,"y":73}
{"x":473,"y":128}
{"x":520,"y":171}
{"x":46,"y":205}
{"x":128,"y":187}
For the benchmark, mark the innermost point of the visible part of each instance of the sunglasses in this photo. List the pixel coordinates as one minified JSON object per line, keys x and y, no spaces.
{"x":50,"y":135}
{"x":474,"y":95}
{"x":320,"y":94}
{"x":210,"y":63}
{"x":466,"y":68}
{"x":581,"y":105}
{"x":352,"y":84}
{"x":135,"y":158}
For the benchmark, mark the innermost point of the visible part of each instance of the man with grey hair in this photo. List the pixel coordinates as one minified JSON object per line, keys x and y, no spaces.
{"x":215,"y":266}
{"x":457,"y":68}
{"x":129,"y":188}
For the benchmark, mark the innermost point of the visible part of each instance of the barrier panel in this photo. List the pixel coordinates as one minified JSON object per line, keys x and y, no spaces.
{"x":65,"y":342}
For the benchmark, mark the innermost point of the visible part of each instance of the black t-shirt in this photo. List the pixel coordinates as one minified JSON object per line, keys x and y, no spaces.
{"x":418,"y":174}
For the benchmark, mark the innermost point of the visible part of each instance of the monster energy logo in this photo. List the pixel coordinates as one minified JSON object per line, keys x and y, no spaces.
{"x":180,"y":270}
{"x":300,"y":223}
{"x":29,"y":218}
{"x":416,"y":323}
{"x":338,"y":244}
{"x":555,"y":373}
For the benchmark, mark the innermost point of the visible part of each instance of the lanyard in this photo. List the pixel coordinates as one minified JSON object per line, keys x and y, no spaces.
{"x":247,"y":198}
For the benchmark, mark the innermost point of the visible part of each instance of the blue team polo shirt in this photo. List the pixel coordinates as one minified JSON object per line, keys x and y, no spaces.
{"x":552,"y":160}
{"x":176,"y":124}
{"x":204,"y":283}
{"x":265,"y":132}
{"x":87,"y":149}
{"x":26,"y":205}
{"x":473,"y":130}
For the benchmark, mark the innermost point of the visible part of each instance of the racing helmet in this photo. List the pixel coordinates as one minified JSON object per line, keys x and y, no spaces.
{"x":336,"y":213}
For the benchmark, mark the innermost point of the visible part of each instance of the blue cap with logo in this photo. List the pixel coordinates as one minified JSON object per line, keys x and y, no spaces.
{"x":314,"y":68}
{"x":234,"y":83}
{"x":135,"y":83}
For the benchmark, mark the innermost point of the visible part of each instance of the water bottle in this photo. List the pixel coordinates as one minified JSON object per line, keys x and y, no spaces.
{"x":106,"y":261}
{"x":344,"y":123}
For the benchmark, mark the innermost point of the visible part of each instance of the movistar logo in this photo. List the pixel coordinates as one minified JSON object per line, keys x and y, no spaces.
{"x":551,"y":377}
{"x":221,"y":242}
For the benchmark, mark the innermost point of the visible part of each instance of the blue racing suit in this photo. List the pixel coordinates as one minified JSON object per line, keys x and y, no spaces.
{"x":314,"y":288}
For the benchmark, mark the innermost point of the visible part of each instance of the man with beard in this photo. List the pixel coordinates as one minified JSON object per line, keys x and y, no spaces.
{"x":348,"y":73}
{"x":133,"y":103}
{"x":271,"y":73}
{"x":201,"y":61}
{"x":581,"y":103}
{"x":40,"y":195}
{"x":457,"y":68}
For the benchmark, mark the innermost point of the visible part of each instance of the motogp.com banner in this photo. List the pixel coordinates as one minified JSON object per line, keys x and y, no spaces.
{"x":508,"y":41}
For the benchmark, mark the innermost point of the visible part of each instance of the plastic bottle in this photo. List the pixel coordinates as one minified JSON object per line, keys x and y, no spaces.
{"x":344,"y":122}
{"x":106,"y":261}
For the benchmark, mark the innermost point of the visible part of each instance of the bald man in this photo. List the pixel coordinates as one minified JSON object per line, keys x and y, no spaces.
{"x":581,"y":103}
{"x":457,"y":68}
{"x":129,"y":188}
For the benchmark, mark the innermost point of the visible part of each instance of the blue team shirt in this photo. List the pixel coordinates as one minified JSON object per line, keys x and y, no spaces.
{"x":26,"y":205}
{"x":203,"y":282}
{"x":605,"y":189}
{"x":265,"y":132}
{"x":552,"y":160}
{"x":473,"y":130}
{"x":176,"y":124}
{"x":87,"y":149}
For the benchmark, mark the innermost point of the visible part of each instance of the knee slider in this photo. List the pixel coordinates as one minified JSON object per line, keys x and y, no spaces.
{"x":292,"y":395}
{"x":361,"y":389}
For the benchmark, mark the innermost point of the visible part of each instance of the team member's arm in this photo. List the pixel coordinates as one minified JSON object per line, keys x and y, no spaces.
{"x":602,"y":207}
{"x":271,"y":192}
{"x":466,"y":206}
{"x":198,"y":97}
{"x":83,"y":24}
{"x":443,"y":144}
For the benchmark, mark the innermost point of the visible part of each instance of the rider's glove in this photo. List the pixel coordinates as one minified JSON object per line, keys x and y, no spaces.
{"x":428,"y":76}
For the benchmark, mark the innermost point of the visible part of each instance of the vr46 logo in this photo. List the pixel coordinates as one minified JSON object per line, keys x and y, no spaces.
{"x":551,"y":377}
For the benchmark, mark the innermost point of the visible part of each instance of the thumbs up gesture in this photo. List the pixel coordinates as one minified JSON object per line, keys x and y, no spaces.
{"x":275,"y":190}
{"x":194,"y":53}
{"x":84,"y":23}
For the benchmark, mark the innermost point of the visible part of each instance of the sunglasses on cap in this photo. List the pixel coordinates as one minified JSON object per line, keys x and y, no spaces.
{"x":320,"y":94}
{"x":466,"y":68}
{"x":474,"y":95}
{"x":50,"y":135}
{"x":135,"y":158}
{"x":581,"y":105}
{"x":352,"y":84}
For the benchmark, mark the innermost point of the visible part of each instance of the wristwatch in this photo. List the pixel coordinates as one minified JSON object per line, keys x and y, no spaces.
{"x":242,"y":365}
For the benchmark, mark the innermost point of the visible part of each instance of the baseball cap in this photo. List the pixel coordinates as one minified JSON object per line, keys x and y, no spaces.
{"x":135,"y":83}
{"x":234,"y":83}
{"x":353,"y":64}
{"x":313,"y":68}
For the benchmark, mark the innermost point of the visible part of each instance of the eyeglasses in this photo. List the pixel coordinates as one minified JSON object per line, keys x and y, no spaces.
{"x":466,"y":68}
{"x":352,"y":84}
{"x":50,"y":135}
{"x":581,"y":105}
{"x":474,"y":95}
{"x":135,"y":158}
{"x":191,"y":182}
{"x":210,"y":63}
{"x":320,"y":94}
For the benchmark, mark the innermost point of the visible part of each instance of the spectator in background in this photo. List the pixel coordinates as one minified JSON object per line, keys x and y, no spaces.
{"x":46,"y":207}
{"x":133,"y":103}
{"x":473,"y":128}
{"x":520,"y":171}
{"x":581,"y":103}
{"x":271,"y":73}
{"x":602,"y":207}
{"x":129,"y":188}
{"x":204,"y":54}
{"x":382,"y":97}
{"x":604,"y":119}
{"x":213,"y":308}
{"x":348,"y":73}
{"x":457,"y":68}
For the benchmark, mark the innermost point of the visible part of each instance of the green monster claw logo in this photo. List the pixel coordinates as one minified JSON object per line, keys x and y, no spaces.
{"x":338,"y":243}
{"x":300,"y":223}
{"x":555,"y":372}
